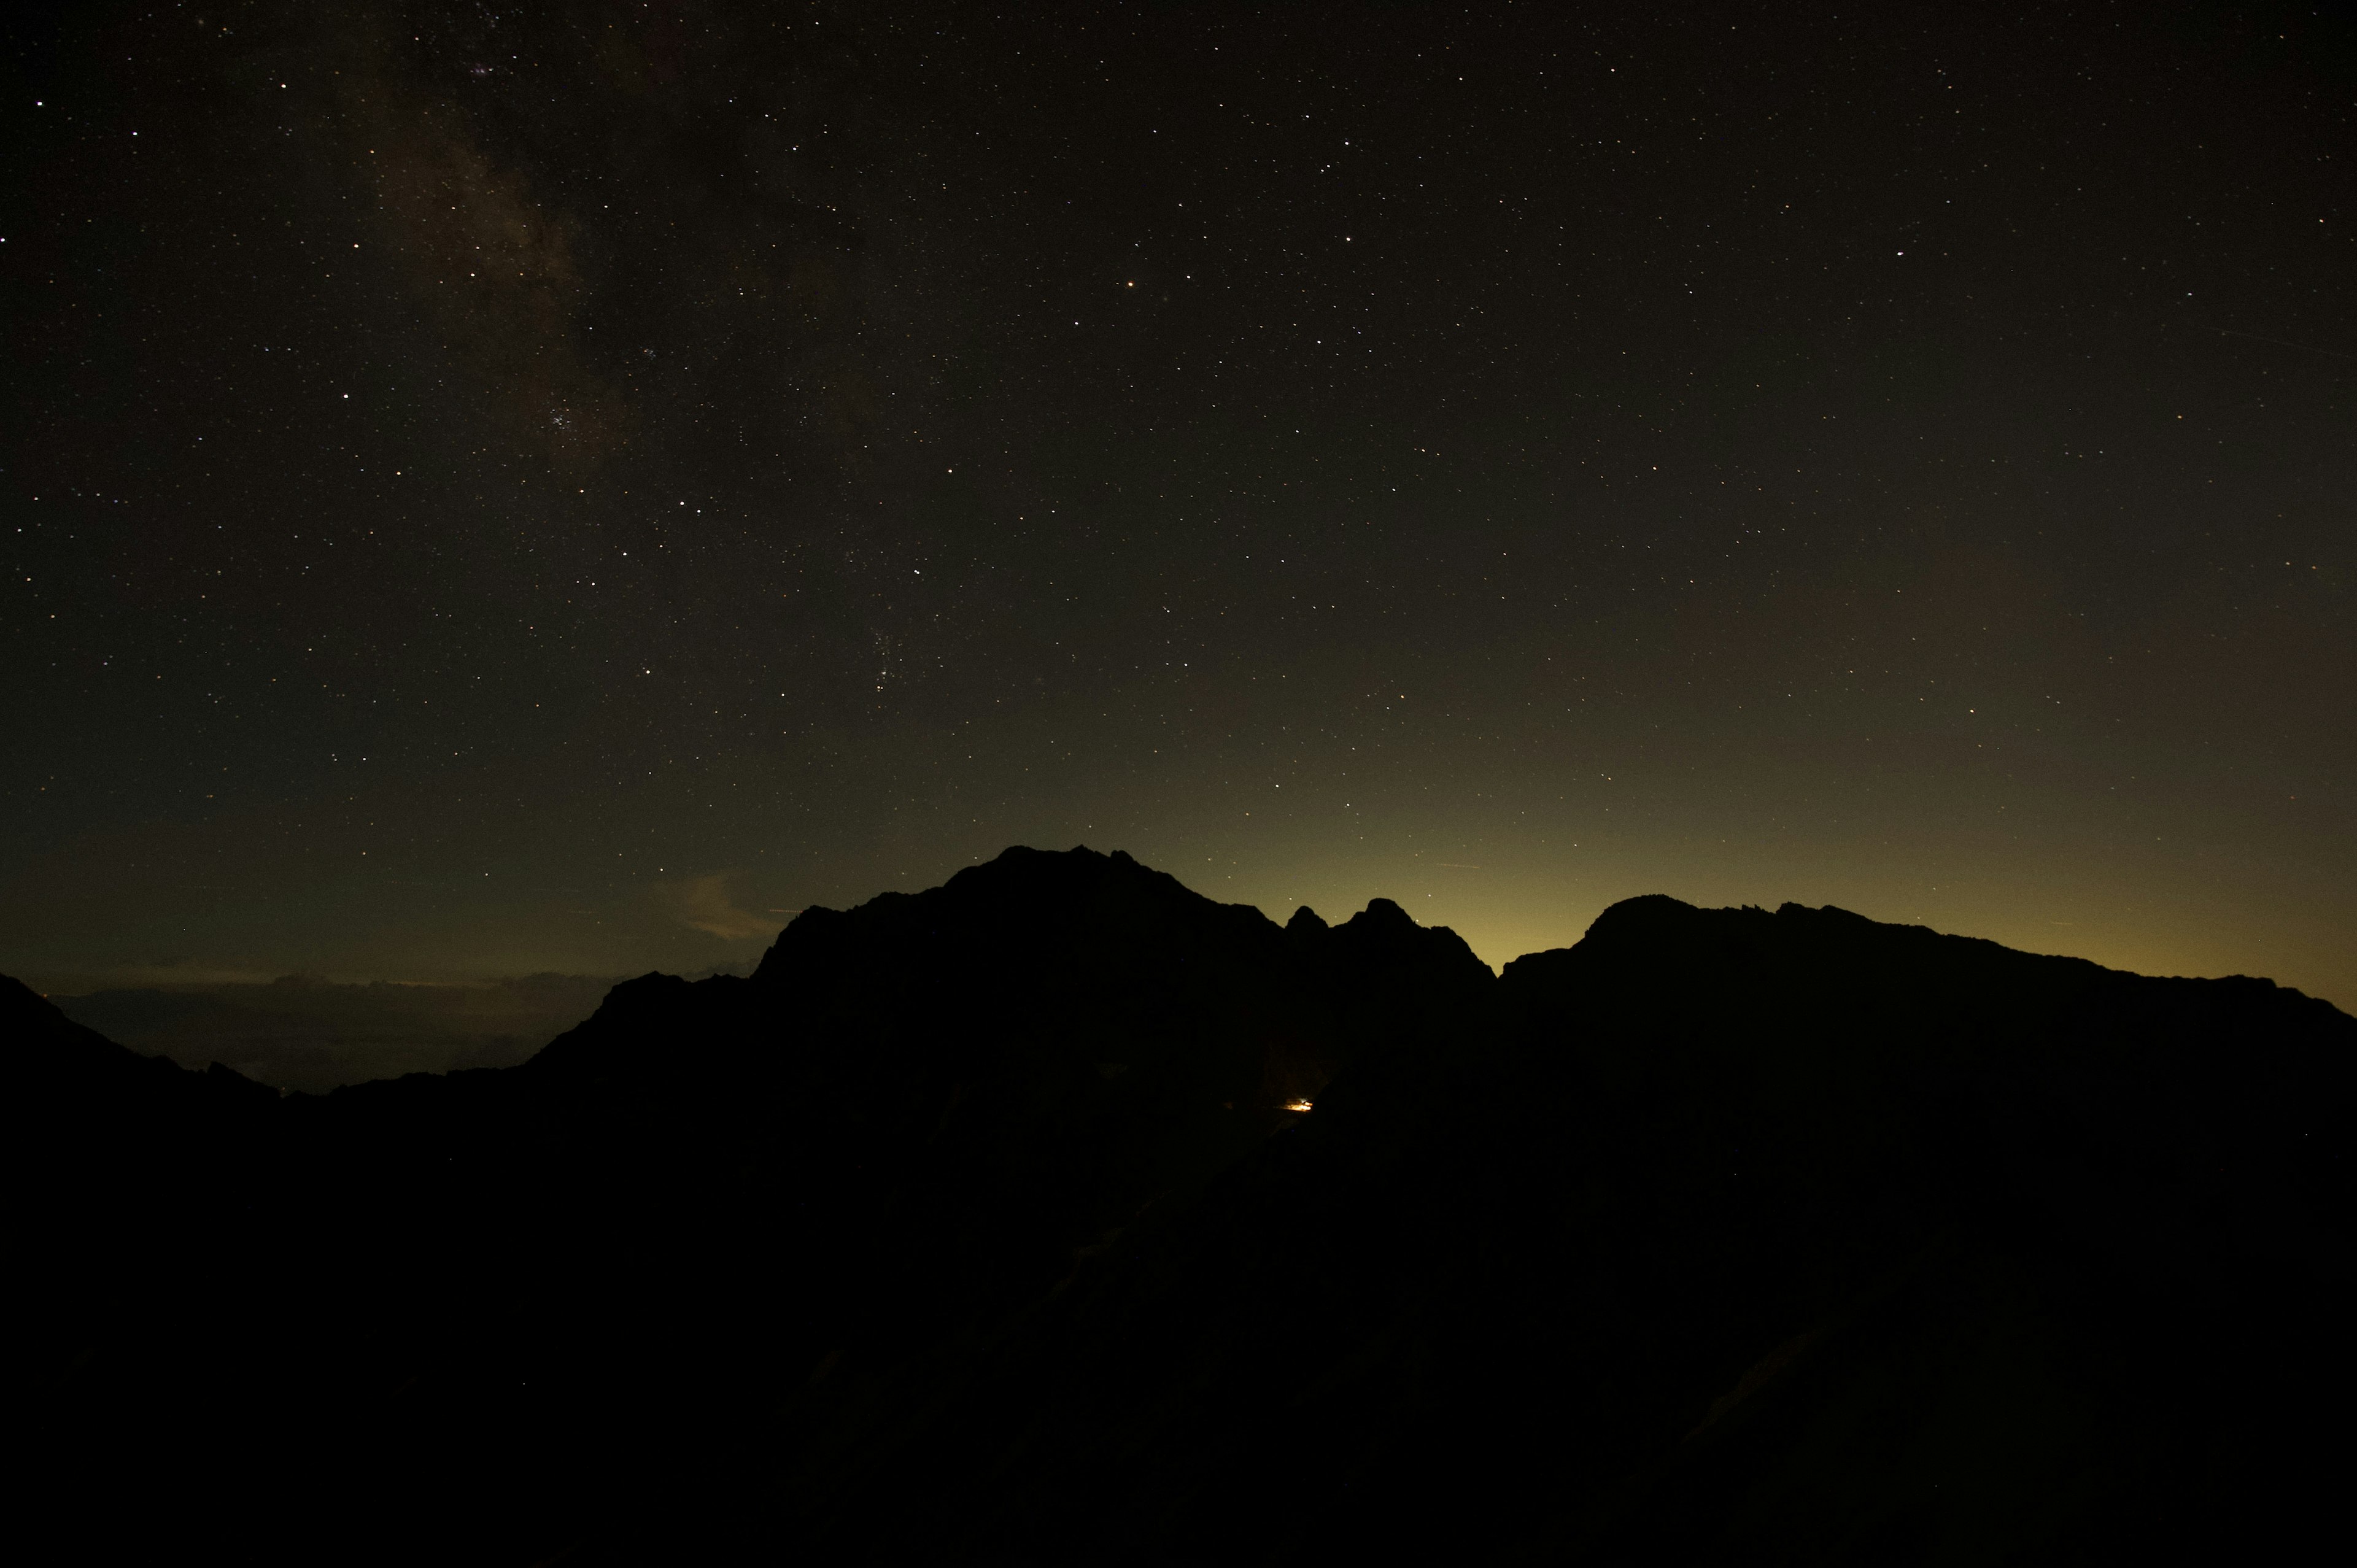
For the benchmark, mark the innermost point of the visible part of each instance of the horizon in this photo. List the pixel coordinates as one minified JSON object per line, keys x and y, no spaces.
{"x":315,"y":1032}
{"x":1487,"y":930}
{"x":1481,"y":930}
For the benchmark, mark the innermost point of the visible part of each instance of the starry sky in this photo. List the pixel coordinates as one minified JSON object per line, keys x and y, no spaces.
{"x":563,"y":487}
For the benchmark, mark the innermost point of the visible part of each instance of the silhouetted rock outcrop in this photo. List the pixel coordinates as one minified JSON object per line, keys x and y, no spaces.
{"x":972,"y":1225}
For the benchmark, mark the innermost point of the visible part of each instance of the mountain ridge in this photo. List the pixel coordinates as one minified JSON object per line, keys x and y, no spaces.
{"x":972,"y":1225}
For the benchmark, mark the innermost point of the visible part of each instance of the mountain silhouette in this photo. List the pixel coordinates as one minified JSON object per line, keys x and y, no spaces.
{"x":1059,"y":1213}
{"x":298,"y":1032}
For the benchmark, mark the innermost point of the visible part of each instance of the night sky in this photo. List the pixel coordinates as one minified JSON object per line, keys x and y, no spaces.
{"x":561,"y":487}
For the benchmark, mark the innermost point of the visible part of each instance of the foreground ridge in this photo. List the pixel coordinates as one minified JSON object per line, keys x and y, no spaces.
{"x":983,"y":1222}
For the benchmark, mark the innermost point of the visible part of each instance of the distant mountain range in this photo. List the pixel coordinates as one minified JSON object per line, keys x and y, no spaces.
{"x":1061,"y":1214}
{"x":297,"y":1032}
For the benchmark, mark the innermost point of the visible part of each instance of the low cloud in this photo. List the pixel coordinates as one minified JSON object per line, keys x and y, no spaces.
{"x":708,"y":904}
{"x":173,"y":974}
{"x":301,"y":1033}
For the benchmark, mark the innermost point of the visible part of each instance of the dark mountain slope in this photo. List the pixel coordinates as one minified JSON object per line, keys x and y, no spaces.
{"x":97,"y":1137}
{"x":2052,"y":1252}
{"x":968,"y":1229}
{"x":1749,"y":1236}
{"x":57,"y":1063}
{"x":712,"y":1201}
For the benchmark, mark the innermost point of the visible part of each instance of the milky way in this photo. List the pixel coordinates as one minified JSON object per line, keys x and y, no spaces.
{"x":565,"y":488}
